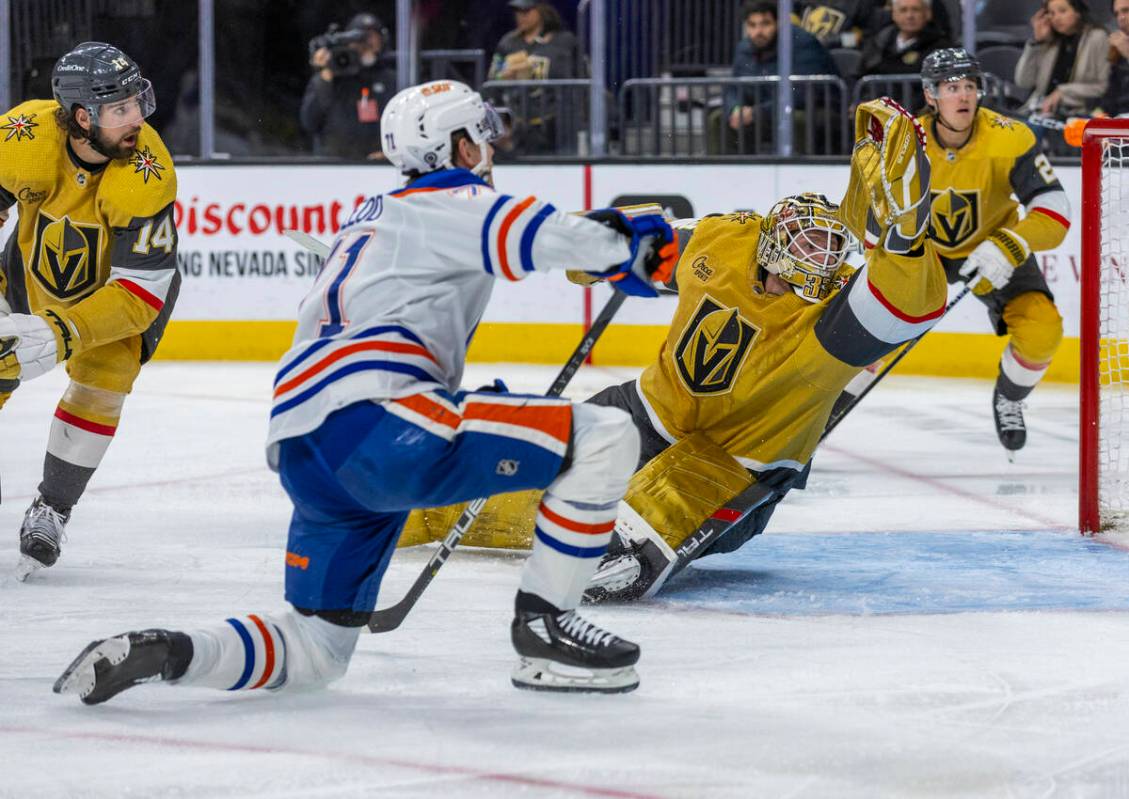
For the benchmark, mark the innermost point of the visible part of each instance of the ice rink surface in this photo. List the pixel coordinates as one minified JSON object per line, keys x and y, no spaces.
{"x":922,"y":621}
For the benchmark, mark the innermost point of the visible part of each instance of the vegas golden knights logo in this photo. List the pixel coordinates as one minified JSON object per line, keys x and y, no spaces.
{"x":713,"y":347}
{"x":956,"y":216}
{"x":822,"y":21}
{"x":65,"y":261}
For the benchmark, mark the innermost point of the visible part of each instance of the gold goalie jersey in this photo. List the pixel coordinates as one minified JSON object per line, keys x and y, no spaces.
{"x":96,"y":242}
{"x":977,"y":191}
{"x":758,"y":374}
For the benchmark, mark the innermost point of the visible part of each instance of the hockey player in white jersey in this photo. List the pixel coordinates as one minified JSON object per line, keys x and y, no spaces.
{"x":368,"y":422}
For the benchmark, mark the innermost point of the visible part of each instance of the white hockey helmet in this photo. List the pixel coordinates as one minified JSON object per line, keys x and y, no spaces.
{"x":418,"y":122}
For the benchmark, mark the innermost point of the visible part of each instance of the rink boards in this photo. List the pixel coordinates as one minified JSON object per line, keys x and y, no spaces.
{"x":243,"y":279}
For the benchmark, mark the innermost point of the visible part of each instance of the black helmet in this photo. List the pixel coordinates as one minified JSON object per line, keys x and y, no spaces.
{"x":96,"y":74}
{"x":949,"y":64}
{"x":93,"y":74}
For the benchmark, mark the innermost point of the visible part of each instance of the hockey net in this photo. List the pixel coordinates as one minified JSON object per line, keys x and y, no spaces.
{"x":1104,"y":407}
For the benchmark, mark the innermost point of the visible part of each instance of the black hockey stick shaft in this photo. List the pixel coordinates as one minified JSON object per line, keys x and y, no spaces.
{"x":739,"y":507}
{"x":389,"y":618}
{"x":888,"y":367}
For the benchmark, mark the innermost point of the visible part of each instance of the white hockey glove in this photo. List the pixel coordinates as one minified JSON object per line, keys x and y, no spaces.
{"x":989,"y":267}
{"x":28,"y":346}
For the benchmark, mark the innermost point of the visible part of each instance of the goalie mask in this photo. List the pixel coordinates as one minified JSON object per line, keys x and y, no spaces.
{"x":803,"y":241}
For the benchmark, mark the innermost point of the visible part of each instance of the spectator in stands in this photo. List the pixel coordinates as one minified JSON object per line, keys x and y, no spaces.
{"x":537,"y":48}
{"x":349,"y":88}
{"x":1115,"y":101}
{"x":1065,"y":62}
{"x":746,"y":111}
{"x":942,"y":18}
{"x":899,"y":47}
{"x":543,"y":121}
{"x":836,"y":23}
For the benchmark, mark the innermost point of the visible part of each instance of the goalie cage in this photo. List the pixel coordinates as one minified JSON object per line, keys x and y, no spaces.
{"x":1103,"y":470}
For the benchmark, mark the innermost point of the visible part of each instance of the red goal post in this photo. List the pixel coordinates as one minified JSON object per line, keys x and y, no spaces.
{"x":1103,"y":470}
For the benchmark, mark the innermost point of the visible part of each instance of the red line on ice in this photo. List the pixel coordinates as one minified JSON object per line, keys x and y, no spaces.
{"x":366,"y":760}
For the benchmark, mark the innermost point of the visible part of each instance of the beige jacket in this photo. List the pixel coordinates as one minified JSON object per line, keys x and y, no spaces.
{"x":1088,"y":78}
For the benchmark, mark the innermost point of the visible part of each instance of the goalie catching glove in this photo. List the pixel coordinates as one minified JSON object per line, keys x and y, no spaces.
{"x":654,"y":253}
{"x":989,"y":266}
{"x":31,"y":345}
{"x":887,"y":198}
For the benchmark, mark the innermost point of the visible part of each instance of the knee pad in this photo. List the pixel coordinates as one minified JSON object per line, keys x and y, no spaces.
{"x":97,"y":401}
{"x":605,"y":450}
{"x":318,"y":651}
{"x":1035,"y":326}
{"x":111,"y":367}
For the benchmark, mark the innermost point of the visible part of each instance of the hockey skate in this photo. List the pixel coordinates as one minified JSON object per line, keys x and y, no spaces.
{"x":108,"y":667}
{"x":1010,"y":426}
{"x":560,"y":651}
{"x":41,"y":536}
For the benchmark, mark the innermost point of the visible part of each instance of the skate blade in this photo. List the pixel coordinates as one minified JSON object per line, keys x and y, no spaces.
{"x":27,"y":567}
{"x":541,"y":674}
{"x":79,"y":677}
{"x":1010,"y":455}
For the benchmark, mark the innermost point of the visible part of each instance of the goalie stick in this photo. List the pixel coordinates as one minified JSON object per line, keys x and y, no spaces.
{"x":389,"y":618}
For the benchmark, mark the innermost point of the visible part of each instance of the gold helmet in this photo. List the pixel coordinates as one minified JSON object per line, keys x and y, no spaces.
{"x":803,"y":241}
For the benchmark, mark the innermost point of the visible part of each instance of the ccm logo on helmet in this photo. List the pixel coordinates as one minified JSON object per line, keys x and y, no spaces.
{"x":435,"y":88}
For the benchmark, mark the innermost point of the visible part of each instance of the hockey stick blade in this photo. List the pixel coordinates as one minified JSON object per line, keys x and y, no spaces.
{"x":306,"y":241}
{"x":389,"y":618}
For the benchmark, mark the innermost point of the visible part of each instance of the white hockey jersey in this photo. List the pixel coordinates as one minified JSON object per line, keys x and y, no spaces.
{"x":405,"y":285}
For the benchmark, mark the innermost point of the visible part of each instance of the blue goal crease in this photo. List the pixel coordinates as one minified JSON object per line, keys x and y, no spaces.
{"x":861,"y":574}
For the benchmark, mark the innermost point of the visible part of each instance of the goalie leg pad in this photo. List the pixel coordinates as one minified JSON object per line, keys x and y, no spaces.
{"x":667,"y":501}
{"x":506,"y":522}
{"x":683,"y":485}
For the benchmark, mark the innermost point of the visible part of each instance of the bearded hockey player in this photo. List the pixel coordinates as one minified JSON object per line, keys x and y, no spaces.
{"x":985,"y":167}
{"x":89,"y":276}
{"x":368,"y":422}
{"x":767,"y":332}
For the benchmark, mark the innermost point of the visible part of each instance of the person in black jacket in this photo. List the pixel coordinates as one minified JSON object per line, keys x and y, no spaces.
{"x":343,"y":100}
{"x":898,"y":48}
{"x":836,"y":23}
{"x":745,"y":122}
{"x":1115,"y":101}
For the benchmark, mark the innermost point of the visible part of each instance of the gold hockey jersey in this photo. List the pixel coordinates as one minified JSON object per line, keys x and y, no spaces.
{"x":977,"y":190}
{"x":758,"y":374}
{"x":99,"y":242}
